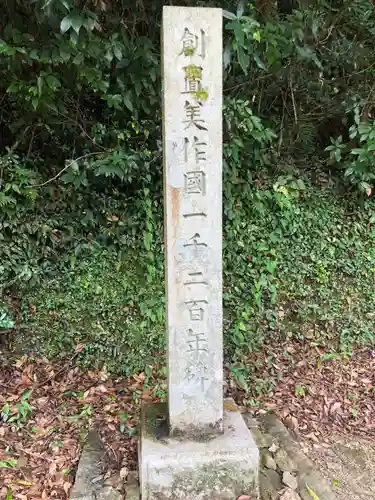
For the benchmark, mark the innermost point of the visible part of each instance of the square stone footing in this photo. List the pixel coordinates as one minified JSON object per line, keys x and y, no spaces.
{"x":221,"y":468}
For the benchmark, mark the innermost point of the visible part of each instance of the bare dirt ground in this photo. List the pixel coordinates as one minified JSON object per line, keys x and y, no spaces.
{"x":348,"y":464}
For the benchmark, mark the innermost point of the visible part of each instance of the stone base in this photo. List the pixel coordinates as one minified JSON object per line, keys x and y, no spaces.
{"x":221,"y":468}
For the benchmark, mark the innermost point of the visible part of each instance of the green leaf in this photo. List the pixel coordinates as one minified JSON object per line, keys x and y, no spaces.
{"x":257,"y":36}
{"x":240,"y":8}
{"x":258,"y":61}
{"x":239,"y":32}
{"x":128,"y":102}
{"x":73,"y":37}
{"x":312,"y":493}
{"x":227,"y":55}
{"x":357,"y":151}
{"x":66,"y":23}
{"x":117,"y":52}
{"x":243,"y":59}
{"x":52,"y":82}
{"x":329,"y":356}
{"x":229,"y":15}
{"x":40,"y":85}
{"x":9,"y":463}
{"x":77,"y":22}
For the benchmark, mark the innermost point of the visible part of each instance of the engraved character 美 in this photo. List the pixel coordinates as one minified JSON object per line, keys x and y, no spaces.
{"x":193,"y":115}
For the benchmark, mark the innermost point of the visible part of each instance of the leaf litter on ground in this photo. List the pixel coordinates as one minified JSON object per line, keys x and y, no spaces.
{"x":39,"y":452}
{"x":315,"y":398}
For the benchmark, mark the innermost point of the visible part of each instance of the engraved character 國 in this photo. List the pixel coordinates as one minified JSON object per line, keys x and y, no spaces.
{"x":195,"y":182}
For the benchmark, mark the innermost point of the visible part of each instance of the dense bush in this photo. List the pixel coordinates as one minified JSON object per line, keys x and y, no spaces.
{"x":80,"y":135}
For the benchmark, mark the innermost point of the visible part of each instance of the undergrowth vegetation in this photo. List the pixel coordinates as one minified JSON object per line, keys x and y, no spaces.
{"x":81,"y":221}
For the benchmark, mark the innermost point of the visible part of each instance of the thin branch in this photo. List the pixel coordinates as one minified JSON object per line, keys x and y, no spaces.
{"x":293,"y":101}
{"x":63,"y":170}
{"x":282,"y":125}
{"x":76,"y":123}
{"x":31,"y":141}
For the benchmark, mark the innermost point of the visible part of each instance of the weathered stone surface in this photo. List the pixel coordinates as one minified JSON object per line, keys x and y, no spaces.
{"x":262,"y":440}
{"x":290,"y":494}
{"x":132,"y":493}
{"x":192,"y":125}
{"x":268,"y":461}
{"x":270,"y":484}
{"x":221,"y":468}
{"x":108,"y":493}
{"x":306,"y":472}
{"x":284,"y":462}
{"x":89,"y":468}
{"x":290,"y":480}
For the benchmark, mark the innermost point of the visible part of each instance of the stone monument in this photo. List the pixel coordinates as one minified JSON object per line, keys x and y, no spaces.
{"x":198,"y":447}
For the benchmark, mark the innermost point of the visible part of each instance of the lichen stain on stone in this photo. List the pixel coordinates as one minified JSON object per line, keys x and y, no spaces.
{"x":212,"y":482}
{"x":198,"y":433}
{"x":229,"y":405}
{"x":175,"y":194}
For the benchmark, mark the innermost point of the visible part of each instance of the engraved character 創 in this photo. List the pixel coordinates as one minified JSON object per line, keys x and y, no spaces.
{"x":191,"y":43}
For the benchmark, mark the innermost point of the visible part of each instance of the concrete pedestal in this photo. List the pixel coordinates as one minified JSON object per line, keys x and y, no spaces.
{"x":221,"y":468}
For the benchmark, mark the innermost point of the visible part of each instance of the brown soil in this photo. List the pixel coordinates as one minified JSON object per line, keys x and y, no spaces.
{"x":348,"y":464}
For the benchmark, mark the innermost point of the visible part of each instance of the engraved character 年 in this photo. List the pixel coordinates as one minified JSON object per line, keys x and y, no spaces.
{"x":197,"y":343}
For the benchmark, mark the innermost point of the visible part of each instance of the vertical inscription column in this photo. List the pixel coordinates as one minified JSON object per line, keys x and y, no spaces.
{"x":192,"y":134}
